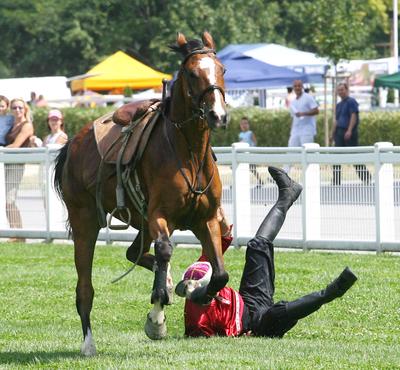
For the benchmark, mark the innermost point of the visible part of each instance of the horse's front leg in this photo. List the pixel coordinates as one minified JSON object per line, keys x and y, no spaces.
{"x":155,"y":327}
{"x":210,"y":238}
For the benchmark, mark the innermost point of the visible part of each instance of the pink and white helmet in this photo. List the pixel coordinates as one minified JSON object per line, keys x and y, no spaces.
{"x":199,"y":271}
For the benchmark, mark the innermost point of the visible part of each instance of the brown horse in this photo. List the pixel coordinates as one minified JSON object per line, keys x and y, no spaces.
{"x":178,"y":178}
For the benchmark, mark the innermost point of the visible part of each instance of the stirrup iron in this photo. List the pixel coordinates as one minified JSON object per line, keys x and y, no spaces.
{"x":127,"y":222}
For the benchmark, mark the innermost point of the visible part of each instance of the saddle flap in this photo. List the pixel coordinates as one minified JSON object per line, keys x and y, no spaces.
{"x":110,"y":135}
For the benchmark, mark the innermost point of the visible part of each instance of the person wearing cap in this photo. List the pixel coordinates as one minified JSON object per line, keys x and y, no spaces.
{"x":55,"y":123}
{"x":252,"y":310}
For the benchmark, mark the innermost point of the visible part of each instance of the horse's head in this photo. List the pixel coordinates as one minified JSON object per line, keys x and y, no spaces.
{"x":202,"y":77}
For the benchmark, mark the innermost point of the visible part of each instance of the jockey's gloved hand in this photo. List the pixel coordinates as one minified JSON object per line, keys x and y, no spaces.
{"x":194,"y":283}
{"x":200,"y":296}
{"x":190,"y":290}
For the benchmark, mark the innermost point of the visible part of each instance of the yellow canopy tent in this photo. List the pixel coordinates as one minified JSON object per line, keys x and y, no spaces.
{"x":117,"y":72}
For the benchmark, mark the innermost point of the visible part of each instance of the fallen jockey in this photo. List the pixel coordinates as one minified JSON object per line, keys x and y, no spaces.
{"x":251,"y":310}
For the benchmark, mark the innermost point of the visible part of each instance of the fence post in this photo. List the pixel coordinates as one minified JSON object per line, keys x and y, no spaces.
{"x":241,"y":194}
{"x":384,"y":198}
{"x":311,"y":197}
{"x":3,"y":216}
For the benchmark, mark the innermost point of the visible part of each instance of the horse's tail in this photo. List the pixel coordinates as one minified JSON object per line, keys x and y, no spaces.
{"x":60,"y":162}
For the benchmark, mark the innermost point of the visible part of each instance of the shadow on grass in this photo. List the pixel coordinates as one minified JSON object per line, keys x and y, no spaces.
{"x":39,"y":357}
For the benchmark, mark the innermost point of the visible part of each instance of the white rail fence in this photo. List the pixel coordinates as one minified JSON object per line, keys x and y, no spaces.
{"x":362,"y":213}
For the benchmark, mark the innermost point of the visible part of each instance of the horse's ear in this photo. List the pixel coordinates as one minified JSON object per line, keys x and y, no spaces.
{"x":208,"y":40}
{"x":181,"y":39}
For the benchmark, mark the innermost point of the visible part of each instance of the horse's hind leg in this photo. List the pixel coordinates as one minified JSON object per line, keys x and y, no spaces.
{"x":85,"y":230}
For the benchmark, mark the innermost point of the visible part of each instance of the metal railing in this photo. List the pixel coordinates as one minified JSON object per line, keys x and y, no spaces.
{"x":360,"y":210}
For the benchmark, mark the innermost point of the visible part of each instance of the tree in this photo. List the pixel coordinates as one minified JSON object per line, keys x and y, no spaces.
{"x":49,"y":37}
{"x":337,"y":30}
{"x":340,"y":31}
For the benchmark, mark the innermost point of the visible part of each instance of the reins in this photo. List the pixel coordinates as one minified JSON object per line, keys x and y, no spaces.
{"x":195,"y":187}
{"x":198,"y":113}
{"x":196,"y":191}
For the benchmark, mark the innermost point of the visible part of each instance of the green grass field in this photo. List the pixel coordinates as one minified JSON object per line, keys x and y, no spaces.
{"x":39,"y":326}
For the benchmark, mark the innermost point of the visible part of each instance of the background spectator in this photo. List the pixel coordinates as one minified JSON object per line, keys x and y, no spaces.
{"x":18,"y":137}
{"x":290,"y":96}
{"x":41,"y":102}
{"x":247,"y":136}
{"x":55,"y":123}
{"x":6,"y":119}
{"x":345,"y":132}
{"x":22,"y":128}
{"x":303,"y":110}
{"x":33,"y":101}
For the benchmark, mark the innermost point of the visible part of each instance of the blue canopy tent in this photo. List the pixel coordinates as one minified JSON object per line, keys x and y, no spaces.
{"x":243,"y":72}
{"x":281,"y":56}
{"x":230,"y":51}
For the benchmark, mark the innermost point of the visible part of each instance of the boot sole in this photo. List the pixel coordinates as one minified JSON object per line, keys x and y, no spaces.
{"x":346,"y":280}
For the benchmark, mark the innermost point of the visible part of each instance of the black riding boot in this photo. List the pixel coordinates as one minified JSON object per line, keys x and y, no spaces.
{"x":289,"y":191}
{"x":310,"y":303}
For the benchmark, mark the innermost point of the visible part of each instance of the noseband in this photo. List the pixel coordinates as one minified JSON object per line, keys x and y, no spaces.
{"x":198,"y":100}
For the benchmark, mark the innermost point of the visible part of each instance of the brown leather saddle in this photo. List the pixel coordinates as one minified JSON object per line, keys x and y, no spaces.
{"x":120,"y":133}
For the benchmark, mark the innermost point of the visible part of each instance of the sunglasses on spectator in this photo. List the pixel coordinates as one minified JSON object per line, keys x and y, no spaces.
{"x":17,"y":107}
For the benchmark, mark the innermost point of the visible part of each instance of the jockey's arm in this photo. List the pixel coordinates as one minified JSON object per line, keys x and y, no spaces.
{"x":226,"y":233}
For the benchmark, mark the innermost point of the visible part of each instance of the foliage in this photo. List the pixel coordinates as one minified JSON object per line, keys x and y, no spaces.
{"x":74,"y":119}
{"x":48,"y":37}
{"x":128,"y":91}
{"x":272,"y":128}
{"x":41,"y":329}
{"x":342,"y":30}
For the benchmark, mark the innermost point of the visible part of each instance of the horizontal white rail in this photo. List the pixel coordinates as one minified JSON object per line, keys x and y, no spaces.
{"x":362,"y":213}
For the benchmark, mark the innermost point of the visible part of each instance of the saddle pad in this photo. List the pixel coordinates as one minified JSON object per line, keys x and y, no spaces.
{"x":110,"y":136}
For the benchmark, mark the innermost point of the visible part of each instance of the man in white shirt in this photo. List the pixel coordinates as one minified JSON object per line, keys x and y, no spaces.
{"x":303,"y":110}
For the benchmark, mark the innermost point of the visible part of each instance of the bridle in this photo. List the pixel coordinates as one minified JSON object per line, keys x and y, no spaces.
{"x":198,"y":108}
{"x":198,"y":103}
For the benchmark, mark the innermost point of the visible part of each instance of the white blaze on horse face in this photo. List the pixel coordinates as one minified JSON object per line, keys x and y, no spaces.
{"x":207,"y":64}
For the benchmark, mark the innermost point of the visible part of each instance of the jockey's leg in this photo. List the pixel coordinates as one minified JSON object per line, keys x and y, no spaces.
{"x":289,"y":191}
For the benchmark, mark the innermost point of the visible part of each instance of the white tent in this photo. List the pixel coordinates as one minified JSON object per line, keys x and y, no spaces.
{"x":278,"y":55}
{"x":52,"y":88}
{"x":381,"y":65}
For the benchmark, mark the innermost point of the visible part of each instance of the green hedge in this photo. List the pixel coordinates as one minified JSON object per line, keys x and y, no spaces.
{"x":271,"y":128}
{"x":74,"y":119}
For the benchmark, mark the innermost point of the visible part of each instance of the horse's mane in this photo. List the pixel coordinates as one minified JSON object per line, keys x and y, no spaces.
{"x":187,"y":48}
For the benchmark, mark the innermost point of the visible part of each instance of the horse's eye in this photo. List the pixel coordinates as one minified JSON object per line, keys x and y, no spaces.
{"x":193,"y":75}
{"x":224,"y":71}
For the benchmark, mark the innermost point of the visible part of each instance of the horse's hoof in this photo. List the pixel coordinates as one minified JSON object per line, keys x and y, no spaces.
{"x":155,"y":331}
{"x":88,"y":348}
